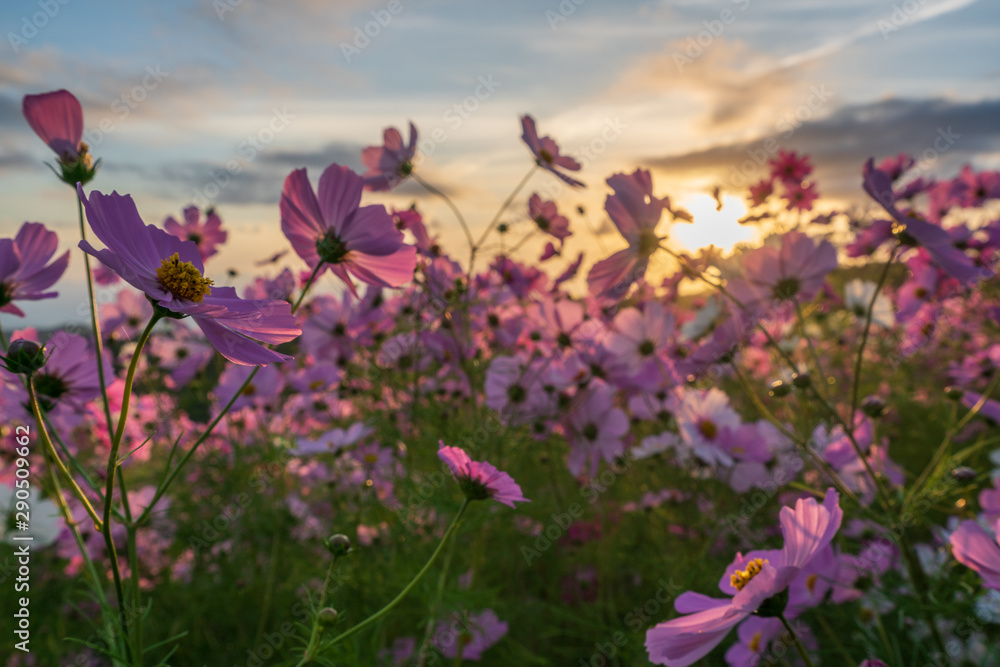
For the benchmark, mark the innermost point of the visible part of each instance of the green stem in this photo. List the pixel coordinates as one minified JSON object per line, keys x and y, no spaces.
{"x":53,"y":456}
{"x":848,"y":659}
{"x":856,"y":383}
{"x":305,"y":288}
{"x":803,"y":445}
{"x":95,"y":323}
{"x":162,"y":488}
{"x":434,"y":607}
{"x":109,"y":490}
{"x":403,"y":593}
{"x":98,"y":586}
{"x":447,"y":200}
{"x":798,"y":643}
{"x":317,"y":634}
{"x":506,"y":203}
{"x":133,"y":557}
{"x":809,"y":344}
{"x":3,"y":339}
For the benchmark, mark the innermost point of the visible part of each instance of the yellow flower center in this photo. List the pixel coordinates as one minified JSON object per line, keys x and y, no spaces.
{"x":371,"y":458}
{"x":755,"y":642}
{"x":811,"y":583}
{"x":183,"y":280}
{"x":741,"y":578}
{"x":708,"y":428}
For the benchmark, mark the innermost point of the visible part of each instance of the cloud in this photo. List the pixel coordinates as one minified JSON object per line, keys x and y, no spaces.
{"x":737,"y":85}
{"x":840,"y":143}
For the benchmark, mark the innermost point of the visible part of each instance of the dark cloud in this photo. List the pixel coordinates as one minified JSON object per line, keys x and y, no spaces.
{"x":345,"y":154}
{"x":256,"y":182}
{"x":17,"y":160}
{"x":840,"y":143}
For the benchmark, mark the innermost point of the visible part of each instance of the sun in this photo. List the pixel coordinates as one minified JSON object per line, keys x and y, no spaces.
{"x":711,"y":227}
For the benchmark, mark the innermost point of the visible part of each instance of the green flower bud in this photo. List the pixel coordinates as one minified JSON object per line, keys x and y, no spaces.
{"x":779,"y":389}
{"x":327,"y":616}
{"x":24,"y":357}
{"x":339,"y":544}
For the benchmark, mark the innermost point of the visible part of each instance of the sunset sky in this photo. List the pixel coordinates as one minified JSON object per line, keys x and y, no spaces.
{"x":687,"y":89}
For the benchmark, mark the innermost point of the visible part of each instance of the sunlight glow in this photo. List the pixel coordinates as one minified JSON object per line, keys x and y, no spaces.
{"x":710,"y":227}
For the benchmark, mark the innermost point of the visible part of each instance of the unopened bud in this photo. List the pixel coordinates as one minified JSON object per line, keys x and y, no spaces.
{"x":963,"y":474}
{"x":339,"y":544}
{"x":327,"y":616}
{"x":801,"y":380}
{"x":954,"y":393}
{"x":873,"y":406}
{"x":24,"y":357}
{"x":779,"y":389}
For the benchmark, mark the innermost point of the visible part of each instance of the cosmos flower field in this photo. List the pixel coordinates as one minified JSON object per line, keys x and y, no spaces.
{"x":785,"y":455}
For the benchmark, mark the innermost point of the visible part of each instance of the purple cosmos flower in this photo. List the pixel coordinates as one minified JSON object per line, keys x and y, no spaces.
{"x":207,"y":234}
{"x":391,"y":162}
{"x":975,"y":548}
{"x":124,"y":319}
{"x":546,"y":152}
{"x":796,"y":271}
{"x":57,"y":118}
{"x":336,"y":230}
{"x":751,"y":580}
{"x":546,"y":216}
{"x":24,"y":269}
{"x":934,"y":239}
{"x":170,"y":272}
{"x":480,"y":480}
{"x":69,"y":377}
{"x":636,"y":213}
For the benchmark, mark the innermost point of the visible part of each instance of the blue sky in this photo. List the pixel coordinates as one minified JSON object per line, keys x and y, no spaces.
{"x":690,"y":88}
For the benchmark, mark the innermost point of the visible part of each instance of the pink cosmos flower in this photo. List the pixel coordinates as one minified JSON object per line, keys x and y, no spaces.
{"x":796,"y":271}
{"x":57,"y":118}
{"x":336,"y":231}
{"x":751,"y":580}
{"x":547,"y":217}
{"x":640,"y":336}
{"x":206,"y":235}
{"x":801,"y":197}
{"x":790,"y":168}
{"x":480,"y":480}
{"x":595,"y":430}
{"x":391,"y":162}
{"x":702,"y":417}
{"x":761,"y":191}
{"x":170,"y":272}
{"x":975,"y":548}
{"x":636,"y":213}
{"x":24,"y":269}
{"x":546,"y":153}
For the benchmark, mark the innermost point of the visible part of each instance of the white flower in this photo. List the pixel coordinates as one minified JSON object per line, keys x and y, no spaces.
{"x":858,"y":295}
{"x":654,"y":444}
{"x":703,"y":321}
{"x":43,"y":518}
